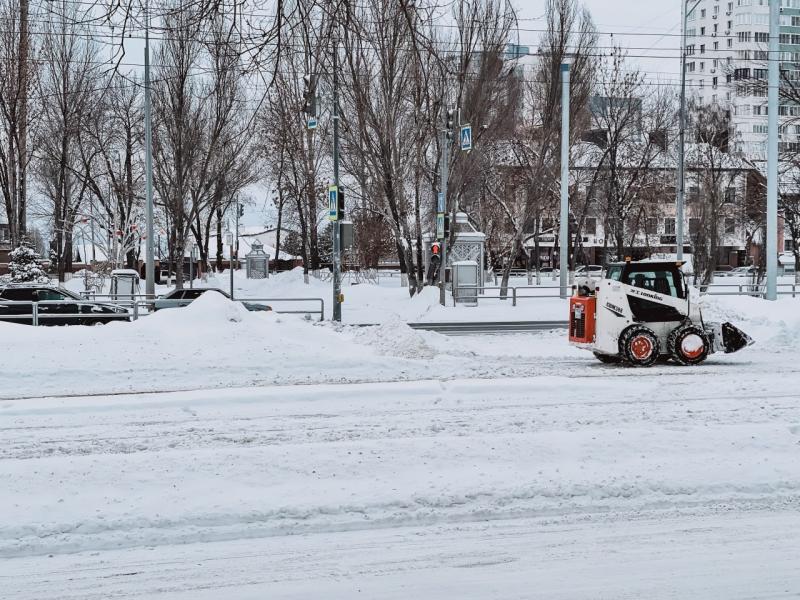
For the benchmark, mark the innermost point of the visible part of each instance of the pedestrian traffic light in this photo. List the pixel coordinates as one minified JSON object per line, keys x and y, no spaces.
{"x":310,"y":95}
{"x":435,"y":249}
{"x":446,"y":225}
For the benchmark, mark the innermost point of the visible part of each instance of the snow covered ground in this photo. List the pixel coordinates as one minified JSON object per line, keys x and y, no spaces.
{"x":209,"y":452}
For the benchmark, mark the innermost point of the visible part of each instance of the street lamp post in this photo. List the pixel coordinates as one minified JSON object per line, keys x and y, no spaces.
{"x":681,"y":191}
{"x":772,"y":151}
{"x":563,"y":235}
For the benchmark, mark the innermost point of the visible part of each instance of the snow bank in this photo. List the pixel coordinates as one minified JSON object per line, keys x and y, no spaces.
{"x":396,"y":338}
{"x":775,"y":326}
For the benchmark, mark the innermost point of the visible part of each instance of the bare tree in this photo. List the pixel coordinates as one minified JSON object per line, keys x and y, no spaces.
{"x":17,"y":80}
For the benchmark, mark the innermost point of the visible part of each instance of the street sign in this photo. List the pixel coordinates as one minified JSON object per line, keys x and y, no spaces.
{"x":440,"y":226}
{"x":312,"y":122}
{"x":440,"y":203}
{"x":466,"y":137}
{"x":333,"y":203}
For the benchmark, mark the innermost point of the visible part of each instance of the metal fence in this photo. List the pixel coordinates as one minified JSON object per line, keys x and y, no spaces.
{"x":138,"y":305}
{"x":512,"y":292}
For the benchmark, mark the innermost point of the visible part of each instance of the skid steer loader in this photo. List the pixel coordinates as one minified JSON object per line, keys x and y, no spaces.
{"x":641,"y":311}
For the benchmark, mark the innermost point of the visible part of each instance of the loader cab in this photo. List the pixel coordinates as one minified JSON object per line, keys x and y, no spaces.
{"x":664,"y":278}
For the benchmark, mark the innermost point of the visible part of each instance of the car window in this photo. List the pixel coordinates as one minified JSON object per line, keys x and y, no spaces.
{"x":174,"y":295}
{"x":192,"y":294}
{"x":45,"y":294}
{"x":17,"y":295}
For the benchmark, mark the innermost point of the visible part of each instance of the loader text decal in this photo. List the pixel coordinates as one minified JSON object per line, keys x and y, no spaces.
{"x":615,"y":309}
{"x":652,"y":295}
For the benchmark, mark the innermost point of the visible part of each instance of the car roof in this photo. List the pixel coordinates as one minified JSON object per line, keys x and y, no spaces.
{"x":649,"y":262}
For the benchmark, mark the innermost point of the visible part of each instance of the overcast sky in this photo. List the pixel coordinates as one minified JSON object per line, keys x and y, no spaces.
{"x":649,"y":28}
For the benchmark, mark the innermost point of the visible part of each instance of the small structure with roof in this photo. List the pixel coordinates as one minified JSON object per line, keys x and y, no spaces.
{"x":257,"y":261}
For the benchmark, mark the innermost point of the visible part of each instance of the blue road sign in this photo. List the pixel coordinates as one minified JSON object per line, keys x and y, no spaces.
{"x":333,"y":203}
{"x":312,"y":122}
{"x":440,"y":226}
{"x":466,"y":137}
{"x":440,"y":203}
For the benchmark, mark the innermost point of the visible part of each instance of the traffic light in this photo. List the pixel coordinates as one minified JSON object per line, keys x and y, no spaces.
{"x":310,"y":95}
{"x":241,"y":210}
{"x":436,"y":249}
{"x":341,"y":203}
{"x":450,"y":122}
{"x":447,"y":226}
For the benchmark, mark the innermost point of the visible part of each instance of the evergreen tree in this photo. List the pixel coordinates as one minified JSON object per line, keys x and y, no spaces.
{"x":24,"y":266}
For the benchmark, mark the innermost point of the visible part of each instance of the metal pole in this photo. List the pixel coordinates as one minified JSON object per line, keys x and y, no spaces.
{"x":230,"y":267}
{"x":191,"y":268}
{"x":337,"y":273}
{"x":563,"y":235}
{"x":772,"y":151}
{"x":150,"y":273}
{"x":91,"y":216}
{"x":445,"y":168}
{"x":681,"y":183}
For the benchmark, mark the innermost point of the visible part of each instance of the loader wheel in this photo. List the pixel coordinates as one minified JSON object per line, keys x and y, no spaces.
{"x":638,"y":346}
{"x":688,"y":345}
{"x":608,"y":359}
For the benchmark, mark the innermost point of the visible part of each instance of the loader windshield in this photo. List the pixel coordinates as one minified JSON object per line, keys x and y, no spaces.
{"x":665,"y":281}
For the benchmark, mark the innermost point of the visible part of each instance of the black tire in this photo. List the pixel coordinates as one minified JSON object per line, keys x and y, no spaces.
{"x":638,"y":346}
{"x":607,"y":359}
{"x":683,"y":346}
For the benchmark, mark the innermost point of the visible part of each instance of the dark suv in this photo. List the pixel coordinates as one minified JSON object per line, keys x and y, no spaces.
{"x":178,"y":298}
{"x":56,"y":306}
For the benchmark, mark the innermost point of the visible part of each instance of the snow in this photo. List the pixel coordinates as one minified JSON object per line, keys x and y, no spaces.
{"x":210,"y":452}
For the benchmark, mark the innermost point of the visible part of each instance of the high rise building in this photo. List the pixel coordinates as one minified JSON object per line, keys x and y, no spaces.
{"x":727,"y":63}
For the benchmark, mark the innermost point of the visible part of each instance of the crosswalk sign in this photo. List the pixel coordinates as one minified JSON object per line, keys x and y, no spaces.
{"x":466,"y":137}
{"x":333,"y":203}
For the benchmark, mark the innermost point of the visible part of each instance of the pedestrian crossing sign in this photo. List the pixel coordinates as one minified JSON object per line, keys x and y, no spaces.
{"x":466,"y":137}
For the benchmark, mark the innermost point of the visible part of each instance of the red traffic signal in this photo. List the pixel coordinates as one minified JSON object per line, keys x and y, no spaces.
{"x":435,"y":248}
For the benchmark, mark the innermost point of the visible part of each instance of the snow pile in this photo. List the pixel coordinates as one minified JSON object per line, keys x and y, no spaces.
{"x":396,"y":338}
{"x":773,"y":325}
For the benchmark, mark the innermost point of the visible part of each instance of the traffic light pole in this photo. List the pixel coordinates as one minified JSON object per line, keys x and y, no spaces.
{"x":150,"y":272}
{"x":443,"y":187}
{"x":337,"y":250}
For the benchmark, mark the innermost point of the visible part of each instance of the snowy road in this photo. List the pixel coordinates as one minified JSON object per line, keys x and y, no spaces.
{"x":672,"y":484}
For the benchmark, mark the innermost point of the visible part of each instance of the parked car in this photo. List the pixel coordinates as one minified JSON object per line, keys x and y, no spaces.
{"x":179,"y":298}
{"x":72,"y":309}
{"x":589,"y":271}
{"x":742,"y":271}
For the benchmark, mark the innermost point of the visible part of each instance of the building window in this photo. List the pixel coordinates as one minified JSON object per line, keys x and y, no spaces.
{"x":669,"y":226}
{"x":761,"y":129}
{"x":743,"y":36}
{"x":730,"y":226}
{"x":714,"y":81}
{"x":702,"y":66}
{"x":590,"y":226}
{"x":762,"y":37}
{"x":694,"y":225}
{"x":702,"y":31}
{"x":730,"y":42}
{"x":702,"y":48}
{"x":730,"y":194}
{"x":787,"y":245}
{"x":702,"y":13}
{"x":716,"y":47}
{"x":651,"y":225}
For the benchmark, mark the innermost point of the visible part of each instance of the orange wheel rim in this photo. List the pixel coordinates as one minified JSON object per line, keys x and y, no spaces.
{"x":641,"y":347}
{"x":692,"y":346}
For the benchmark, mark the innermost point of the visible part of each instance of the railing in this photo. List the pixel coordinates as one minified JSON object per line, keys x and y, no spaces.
{"x":747,"y":289}
{"x":511,"y":292}
{"x":36,"y":314}
{"x":133,"y":308}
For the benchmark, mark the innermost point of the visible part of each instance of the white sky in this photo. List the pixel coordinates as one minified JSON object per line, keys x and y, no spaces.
{"x":648,"y":28}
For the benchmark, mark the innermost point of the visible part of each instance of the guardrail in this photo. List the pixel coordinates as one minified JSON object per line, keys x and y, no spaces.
{"x":514,"y":293}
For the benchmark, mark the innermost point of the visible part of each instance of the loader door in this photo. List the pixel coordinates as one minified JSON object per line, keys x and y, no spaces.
{"x":654,"y":281}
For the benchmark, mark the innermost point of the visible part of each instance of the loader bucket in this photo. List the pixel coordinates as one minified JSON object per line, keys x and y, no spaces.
{"x":734,"y":339}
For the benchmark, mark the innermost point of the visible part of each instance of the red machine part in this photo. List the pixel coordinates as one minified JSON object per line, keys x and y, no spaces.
{"x":582,"y":311}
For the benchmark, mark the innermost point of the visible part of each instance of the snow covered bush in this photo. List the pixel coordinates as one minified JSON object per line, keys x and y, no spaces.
{"x":24,"y":267}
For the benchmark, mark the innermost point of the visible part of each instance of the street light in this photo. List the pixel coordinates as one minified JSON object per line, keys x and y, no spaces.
{"x":681,"y":196}
{"x":563,"y":234}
